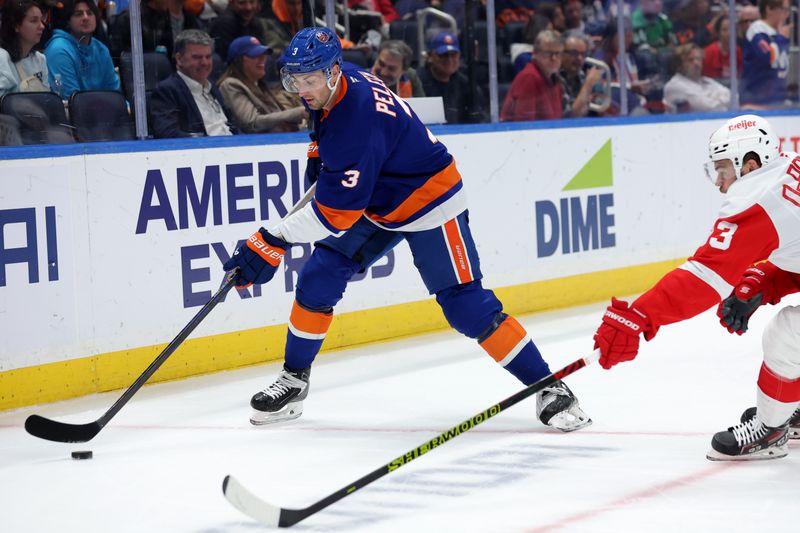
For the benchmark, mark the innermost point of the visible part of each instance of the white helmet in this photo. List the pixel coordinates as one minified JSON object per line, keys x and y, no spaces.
{"x":740,"y":136}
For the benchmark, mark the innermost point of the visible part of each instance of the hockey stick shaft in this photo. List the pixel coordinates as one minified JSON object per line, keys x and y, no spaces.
{"x":54,"y":430}
{"x":246,"y":502}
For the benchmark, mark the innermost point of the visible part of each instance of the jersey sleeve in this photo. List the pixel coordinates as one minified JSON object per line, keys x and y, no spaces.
{"x":711,"y":273}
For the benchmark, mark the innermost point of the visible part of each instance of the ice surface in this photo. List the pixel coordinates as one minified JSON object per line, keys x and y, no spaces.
{"x":158,"y":466}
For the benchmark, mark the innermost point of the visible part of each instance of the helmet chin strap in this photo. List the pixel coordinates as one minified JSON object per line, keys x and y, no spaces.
{"x":333,"y":90}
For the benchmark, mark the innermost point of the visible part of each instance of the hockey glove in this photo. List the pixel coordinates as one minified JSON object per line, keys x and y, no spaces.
{"x":618,"y":335}
{"x":257,"y":259}
{"x":734,"y":311}
{"x":314,"y":164}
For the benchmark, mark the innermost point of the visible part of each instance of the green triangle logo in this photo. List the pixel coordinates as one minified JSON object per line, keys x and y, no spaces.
{"x":595,"y":173}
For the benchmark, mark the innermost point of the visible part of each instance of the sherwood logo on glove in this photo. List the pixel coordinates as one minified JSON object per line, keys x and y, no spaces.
{"x":622,"y":320}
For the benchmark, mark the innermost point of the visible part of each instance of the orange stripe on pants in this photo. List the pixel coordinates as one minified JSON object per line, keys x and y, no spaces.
{"x":308,"y":322}
{"x":458,"y":252}
{"x":504,"y":339}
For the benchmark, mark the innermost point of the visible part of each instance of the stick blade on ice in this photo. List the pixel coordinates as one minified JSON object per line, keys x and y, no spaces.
{"x":56,"y":431}
{"x":248,"y":503}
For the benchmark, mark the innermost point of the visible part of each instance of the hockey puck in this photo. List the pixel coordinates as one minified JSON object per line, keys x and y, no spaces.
{"x":82,"y":455}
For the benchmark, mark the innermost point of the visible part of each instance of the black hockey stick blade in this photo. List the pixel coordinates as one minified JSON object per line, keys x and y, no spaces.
{"x":271,"y":515}
{"x":56,"y":431}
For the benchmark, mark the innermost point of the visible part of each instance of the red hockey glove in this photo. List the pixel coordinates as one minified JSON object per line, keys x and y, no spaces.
{"x":618,"y":335}
{"x":734,"y":311}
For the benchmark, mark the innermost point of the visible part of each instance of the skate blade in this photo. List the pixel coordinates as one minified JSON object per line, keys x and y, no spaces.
{"x":572,"y":419}
{"x":763,"y":455}
{"x":289,"y":412}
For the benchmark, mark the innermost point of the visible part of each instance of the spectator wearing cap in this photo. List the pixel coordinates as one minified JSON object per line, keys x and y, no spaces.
{"x":536,"y":92}
{"x":392,"y":67}
{"x":187,"y":103}
{"x":441,"y":77}
{"x":257,"y":107}
{"x":76,"y":61}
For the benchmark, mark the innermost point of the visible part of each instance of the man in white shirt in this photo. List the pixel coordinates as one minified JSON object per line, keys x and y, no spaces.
{"x":688,"y":90}
{"x":187,"y":104}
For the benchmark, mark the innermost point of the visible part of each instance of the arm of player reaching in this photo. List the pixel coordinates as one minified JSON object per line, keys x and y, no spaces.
{"x":705,"y":278}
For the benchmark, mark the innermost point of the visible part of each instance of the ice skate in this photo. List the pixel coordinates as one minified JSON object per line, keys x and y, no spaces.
{"x":557,"y":406}
{"x":749,"y":441}
{"x":794,"y":421}
{"x":283,"y":400}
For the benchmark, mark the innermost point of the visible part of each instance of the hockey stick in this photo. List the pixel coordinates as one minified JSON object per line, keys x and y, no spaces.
{"x":48,"y":429}
{"x":270,"y":515}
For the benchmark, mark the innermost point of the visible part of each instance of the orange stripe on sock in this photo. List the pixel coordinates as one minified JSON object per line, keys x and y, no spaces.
{"x":458,"y":252}
{"x":504,"y":339}
{"x":309,"y":321}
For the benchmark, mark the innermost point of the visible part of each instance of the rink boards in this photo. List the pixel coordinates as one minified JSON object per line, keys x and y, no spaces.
{"x":106,"y":256}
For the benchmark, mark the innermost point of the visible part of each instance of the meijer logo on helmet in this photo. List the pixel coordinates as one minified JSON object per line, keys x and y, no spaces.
{"x":743,"y":125}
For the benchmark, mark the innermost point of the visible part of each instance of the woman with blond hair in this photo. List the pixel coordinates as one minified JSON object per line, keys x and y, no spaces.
{"x":257,"y":107}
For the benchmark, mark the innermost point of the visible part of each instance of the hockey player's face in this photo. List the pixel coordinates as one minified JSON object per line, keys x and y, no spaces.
{"x":313,"y":87}
{"x":726,"y":175}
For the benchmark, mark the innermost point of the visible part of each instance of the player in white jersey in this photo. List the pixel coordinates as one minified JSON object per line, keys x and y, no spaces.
{"x":759,"y":220}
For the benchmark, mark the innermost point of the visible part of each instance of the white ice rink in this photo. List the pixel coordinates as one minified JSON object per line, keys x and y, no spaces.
{"x":158,"y":466}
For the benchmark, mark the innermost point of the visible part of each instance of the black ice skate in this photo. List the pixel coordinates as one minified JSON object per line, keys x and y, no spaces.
{"x":557,"y":406}
{"x":794,"y":421}
{"x":749,"y":441}
{"x":283,"y":400}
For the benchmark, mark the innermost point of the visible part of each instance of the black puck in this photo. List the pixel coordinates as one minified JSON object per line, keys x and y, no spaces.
{"x":82,"y":455}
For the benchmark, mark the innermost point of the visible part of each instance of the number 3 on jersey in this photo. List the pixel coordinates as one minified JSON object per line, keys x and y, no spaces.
{"x":722,"y":236}
{"x":352,"y":178}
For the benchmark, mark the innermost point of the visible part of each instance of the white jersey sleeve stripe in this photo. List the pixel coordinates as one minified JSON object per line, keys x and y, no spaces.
{"x":709,"y":277}
{"x":303,"y":226}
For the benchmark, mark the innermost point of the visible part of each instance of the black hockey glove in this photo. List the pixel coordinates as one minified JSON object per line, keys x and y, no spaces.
{"x":734,"y":313}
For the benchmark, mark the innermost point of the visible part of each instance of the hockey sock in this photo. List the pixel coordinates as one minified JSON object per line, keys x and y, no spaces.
{"x":508,"y":344}
{"x":777,"y":397}
{"x":307,"y":330}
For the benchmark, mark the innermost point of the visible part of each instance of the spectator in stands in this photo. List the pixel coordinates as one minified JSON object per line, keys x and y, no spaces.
{"x":76,"y":61}
{"x":384,"y":7}
{"x":573,"y":17}
{"x":688,"y":90}
{"x":441,"y":77}
{"x":692,"y":22}
{"x":286,"y":20}
{"x":162,"y":21}
{"x":187,"y":104}
{"x":240,"y":18}
{"x":653,"y":39}
{"x":577,"y":83}
{"x":392,"y":66}
{"x":747,"y":15}
{"x":717,"y":55}
{"x":257,"y":107}
{"x":634,"y":87}
{"x":766,"y":56}
{"x":22,"y":68}
{"x":550,"y":12}
{"x":536,"y":92}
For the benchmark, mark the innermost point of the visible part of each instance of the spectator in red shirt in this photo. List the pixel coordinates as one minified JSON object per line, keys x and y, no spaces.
{"x":536,"y":93}
{"x":717,"y":56}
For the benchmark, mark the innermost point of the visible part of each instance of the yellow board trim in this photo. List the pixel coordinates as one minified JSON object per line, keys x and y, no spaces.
{"x":116,"y":370}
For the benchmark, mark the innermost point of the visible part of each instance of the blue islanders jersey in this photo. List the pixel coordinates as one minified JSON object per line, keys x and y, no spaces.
{"x":381,"y":162}
{"x":766,"y":65}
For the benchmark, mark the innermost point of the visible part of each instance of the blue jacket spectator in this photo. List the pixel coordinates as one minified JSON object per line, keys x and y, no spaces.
{"x":76,"y":60}
{"x":766,"y":56}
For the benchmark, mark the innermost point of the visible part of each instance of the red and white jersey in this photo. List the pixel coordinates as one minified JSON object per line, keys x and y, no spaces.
{"x":759,"y":220}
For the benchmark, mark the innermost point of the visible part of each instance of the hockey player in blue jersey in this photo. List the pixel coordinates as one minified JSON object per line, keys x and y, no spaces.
{"x":384,"y":178}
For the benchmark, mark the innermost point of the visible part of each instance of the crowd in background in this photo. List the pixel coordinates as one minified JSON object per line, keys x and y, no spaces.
{"x":555,"y":60}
